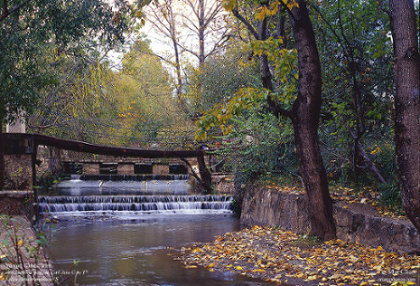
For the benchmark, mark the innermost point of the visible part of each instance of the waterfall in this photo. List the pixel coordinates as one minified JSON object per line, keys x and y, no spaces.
{"x":133,"y":203}
{"x":121,"y":197}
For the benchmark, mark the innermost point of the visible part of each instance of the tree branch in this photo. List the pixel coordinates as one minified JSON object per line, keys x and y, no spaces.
{"x":251,"y":29}
{"x":7,"y":12}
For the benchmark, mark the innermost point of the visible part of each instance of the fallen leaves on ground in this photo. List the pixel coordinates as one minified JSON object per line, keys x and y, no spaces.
{"x":366,"y":196}
{"x":282,"y":256}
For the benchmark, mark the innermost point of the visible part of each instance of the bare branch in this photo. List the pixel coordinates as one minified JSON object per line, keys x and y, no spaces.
{"x":251,"y":29}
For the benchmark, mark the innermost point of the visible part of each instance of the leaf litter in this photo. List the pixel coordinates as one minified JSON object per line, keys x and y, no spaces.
{"x":283,"y":257}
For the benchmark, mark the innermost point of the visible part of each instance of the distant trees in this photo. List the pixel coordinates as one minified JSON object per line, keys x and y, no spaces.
{"x":205,"y":21}
{"x":147,"y":109}
{"x":165,"y":20}
{"x":407,"y":104}
{"x":132,"y":106}
{"x":33,"y":33}
{"x":197,"y":28}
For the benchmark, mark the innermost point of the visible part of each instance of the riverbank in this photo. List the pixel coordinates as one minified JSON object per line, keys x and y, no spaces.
{"x":358,"y":218}
{"x":23,"y":259}
{"x":283,"y":257}
{"x":284,"y":254}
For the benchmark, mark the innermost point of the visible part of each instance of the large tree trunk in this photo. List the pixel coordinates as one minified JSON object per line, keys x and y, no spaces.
{"x":304,"y":115}
{"x":2,"y":164}
{"x":1,"y":156}
{"x":407,"y":105}
{"x":306,"y":111}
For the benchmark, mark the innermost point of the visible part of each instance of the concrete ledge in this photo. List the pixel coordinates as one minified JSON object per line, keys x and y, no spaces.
{"x":15,"y":194}
{"x":355,"y":222}
{"x":125,"y":169}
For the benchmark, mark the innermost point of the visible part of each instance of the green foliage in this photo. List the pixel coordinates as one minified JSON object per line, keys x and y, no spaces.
{"x":46,"y":183}
{"x":253,"y":142}
{"x":36,"y":33}
{"x":390,"y":197}
{"x":242,"y":98}
{"x":307,"y":240}
{"x":385,"y":160}
{"x":356,"y":55}
{"x":258,"y":145}
{"x":221,"y":116}
{"x":285,"y":72}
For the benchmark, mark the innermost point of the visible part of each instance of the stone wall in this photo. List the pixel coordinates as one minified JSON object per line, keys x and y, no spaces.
{"x":355,"y":222}
{"x":16,"y":203}
{"x":18,"y":170}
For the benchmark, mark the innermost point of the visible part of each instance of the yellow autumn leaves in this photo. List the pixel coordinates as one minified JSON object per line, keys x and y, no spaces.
{"x":271,"y":10}
{"x":263,"y":11}
{"x":348,"y":196}
{"x":282,"y":256}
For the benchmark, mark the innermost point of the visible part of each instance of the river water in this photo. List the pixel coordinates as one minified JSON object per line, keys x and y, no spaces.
{"x":135,"y":252}
{"x":122,"y":232}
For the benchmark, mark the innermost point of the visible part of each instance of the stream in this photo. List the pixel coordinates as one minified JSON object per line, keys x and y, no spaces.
{"x":135,"y":252}
{"x":130,"y":240}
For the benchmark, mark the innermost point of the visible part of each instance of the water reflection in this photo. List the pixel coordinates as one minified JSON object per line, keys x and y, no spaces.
{"x":135,"y":252}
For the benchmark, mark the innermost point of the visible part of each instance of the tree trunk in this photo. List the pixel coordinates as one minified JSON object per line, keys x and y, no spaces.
{"x":264,"y":67}
{"x":407,"y":105}
{"x":181,"y":102}
{"x":305,"y":118}
{"x":204,"y":174}
{"x":201,"y":30}
{"x":304,"y":115}
{"x":2,"y":167}
{"x":177,"y":63}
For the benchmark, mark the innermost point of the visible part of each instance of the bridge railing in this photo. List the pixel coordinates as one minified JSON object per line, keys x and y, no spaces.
{"x":20,"y":143}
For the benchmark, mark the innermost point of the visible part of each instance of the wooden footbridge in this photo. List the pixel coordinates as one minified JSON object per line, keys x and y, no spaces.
{"x":27,"y":144}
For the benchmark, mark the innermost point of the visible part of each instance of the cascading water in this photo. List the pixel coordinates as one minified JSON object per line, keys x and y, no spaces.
{"x":129,"y":197}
